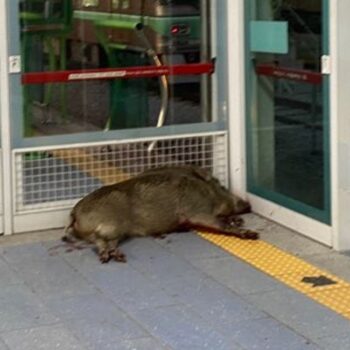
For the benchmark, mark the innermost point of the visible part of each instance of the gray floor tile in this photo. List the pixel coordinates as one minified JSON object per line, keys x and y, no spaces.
{"x":237,"y":275}
{"x":58,"y":247}
{"x":53,"y":277}
{"x":20,"y":254}
{"x":139,"y":344}
{"x":139,"y":249}
{"x":30,"y":238}
{"x":191,"y":246}
{"x":295,"y":244}
{"x":100,"y":335}
{"x":302,"y":314}
{"x":178,"y":293}
{"x":8,"y":274}
{"x":2,"y":345}
{"x":144,"y":248}
{"x":268,"y":334}
{"x":213,"y":302}
{"x":335,"y":343}
{"x":182,"y":329}
{"x":159,"y":264}
{"x":255,"y":221}
{"x":21,"y":308}
{"x":128,"y":288}
{"x":43,"y":338}
{"x":186,"y":286}
{"x":96,"y":309}
{"x":81,"y":260}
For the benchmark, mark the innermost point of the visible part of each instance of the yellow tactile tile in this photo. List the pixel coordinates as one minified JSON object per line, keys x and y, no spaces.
{"x":336,"y":299}
{"x":99,"y":168}
{"x":289,"y":270}
{"x":294,"y":280}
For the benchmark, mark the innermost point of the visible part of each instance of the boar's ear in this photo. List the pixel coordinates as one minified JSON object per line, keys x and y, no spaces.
{"x":202,"y":173}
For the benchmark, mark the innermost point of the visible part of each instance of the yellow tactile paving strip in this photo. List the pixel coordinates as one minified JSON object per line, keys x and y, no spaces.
{"x":98,"y":168}
{"x":287,"y":269}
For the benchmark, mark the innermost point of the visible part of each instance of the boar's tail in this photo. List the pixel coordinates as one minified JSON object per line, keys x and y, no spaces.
{"x":70,"y":225}
{"x":69,"y":228}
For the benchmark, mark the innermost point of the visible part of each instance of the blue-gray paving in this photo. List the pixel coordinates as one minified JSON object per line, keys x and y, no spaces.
{"x":47,"y":178}
{"x":177,"y":293}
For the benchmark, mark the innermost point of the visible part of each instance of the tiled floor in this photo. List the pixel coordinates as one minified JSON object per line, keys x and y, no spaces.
{"x":177,"y":293}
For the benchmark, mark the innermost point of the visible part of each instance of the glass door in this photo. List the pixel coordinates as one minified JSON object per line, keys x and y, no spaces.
{"x":100,"y":90}
{"x":287,"y":109}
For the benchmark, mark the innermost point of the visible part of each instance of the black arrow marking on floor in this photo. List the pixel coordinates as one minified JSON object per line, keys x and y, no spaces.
{"x":318,"y":281}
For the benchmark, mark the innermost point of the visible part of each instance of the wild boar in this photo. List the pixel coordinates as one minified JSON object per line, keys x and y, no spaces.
{"x":156,"y":202}
{"x":241,"y":206}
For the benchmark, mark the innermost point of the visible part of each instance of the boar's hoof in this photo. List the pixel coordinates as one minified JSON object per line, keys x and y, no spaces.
{"x":248,"y":234}
{"x":104,"y":257}
{"x":117,"y":255}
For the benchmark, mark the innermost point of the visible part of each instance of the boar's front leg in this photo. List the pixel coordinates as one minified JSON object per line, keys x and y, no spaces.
{"x":209,"y":222}
{"x":102,"y":250}
{"x":234,"y":220}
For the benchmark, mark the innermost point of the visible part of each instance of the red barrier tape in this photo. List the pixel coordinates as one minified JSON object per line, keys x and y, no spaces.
{"x":116,"y":73}
{"x":290,"y":74}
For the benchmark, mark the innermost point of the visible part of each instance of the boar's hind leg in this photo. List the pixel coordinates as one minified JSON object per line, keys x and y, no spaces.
{"x":115,"y":252}
{"x":107,"y":237}
{"x":205,"y":221}
{"x":108,"y":250}
{"x":102,"y":250}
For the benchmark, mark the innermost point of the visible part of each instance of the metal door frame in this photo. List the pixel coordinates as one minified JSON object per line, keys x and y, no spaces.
{"x":239,"y":105}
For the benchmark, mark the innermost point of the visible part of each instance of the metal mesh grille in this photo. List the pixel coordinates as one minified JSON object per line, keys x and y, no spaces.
{"x":57,"y":177}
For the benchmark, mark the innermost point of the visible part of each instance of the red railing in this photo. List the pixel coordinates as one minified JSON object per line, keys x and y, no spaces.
{"x":288,"y":73}
{"x":116,"y":73}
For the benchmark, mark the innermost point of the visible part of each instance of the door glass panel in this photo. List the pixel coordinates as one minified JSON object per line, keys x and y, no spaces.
{"x":288,"y":99}
{"x":80,"y":35}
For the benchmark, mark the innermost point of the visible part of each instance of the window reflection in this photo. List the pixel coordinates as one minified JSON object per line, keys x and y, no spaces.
{"x":60,"y":35}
